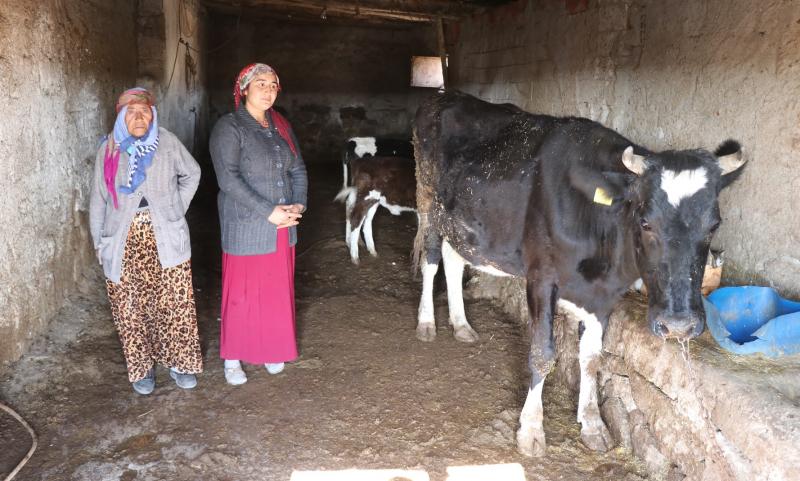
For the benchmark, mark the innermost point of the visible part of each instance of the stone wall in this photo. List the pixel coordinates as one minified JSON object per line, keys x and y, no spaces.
{"x":62,"y":64}
{"x":666,"y":74}
{"x":338,"y":80}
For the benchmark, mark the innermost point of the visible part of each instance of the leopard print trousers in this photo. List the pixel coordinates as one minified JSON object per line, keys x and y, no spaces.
{"x":153,"y":308}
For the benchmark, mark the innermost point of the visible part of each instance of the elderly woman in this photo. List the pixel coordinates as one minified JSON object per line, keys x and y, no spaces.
{"x":262,"y":181}
{"x":144,"y":180}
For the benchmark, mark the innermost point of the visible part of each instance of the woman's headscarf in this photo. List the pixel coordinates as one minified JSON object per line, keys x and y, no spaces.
{"x":240,"y":86}
{"x":140,"y":149}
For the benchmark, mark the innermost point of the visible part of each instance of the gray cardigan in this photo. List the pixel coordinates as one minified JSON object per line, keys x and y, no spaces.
{"x":171,"y":182}
{"x":256,"y":170}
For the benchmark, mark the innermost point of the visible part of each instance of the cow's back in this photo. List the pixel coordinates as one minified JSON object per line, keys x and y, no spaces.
{"x":448,"y":122}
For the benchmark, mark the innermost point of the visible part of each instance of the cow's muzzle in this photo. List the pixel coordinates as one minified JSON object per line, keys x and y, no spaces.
{"x":681,"y":326}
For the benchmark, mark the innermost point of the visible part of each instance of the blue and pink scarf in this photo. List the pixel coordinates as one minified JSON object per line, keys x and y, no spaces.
{"x":140,"y":150}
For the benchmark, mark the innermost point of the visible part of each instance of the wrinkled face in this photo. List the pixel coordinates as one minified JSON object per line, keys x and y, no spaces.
{"x":262,"y":91}
{"x":676,"y":218}
{"x":138,"y":118}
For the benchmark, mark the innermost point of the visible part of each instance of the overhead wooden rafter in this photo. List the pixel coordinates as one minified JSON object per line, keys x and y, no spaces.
{"x":356,"y":10}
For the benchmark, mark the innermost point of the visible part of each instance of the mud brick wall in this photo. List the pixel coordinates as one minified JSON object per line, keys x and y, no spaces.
{"x":338,"y":80}
{"x":666,"y":74}
{"x":62,"y":64}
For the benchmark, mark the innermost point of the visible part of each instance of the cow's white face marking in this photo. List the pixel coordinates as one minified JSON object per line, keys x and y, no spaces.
{"x":680,"y":185}
{"x":365,"y":145}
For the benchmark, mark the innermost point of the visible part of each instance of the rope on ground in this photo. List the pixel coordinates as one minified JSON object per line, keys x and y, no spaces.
{"x":33,"y":439}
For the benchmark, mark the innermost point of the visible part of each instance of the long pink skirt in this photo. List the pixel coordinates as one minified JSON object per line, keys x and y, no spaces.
{"x":258,"y":323}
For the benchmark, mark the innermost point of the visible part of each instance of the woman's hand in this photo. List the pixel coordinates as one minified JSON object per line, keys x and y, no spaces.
{"x":283,"y":216}
{"x":297,"y":208}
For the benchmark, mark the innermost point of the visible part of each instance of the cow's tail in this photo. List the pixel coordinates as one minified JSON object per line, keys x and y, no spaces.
{"x":423,"y":224}
{"x":423,"y":209}
{"x":346,"y":195}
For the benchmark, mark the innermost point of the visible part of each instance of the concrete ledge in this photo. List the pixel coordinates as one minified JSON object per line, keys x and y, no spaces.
{"x":712,"y":414}
{"x":708,"y":415}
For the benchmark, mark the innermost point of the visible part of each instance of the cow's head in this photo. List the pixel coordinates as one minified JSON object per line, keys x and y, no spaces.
{"x":676,"y":213}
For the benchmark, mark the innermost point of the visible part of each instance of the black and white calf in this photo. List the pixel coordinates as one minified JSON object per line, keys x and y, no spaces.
{"x":375,"y":180}
{"x":577,"y":210}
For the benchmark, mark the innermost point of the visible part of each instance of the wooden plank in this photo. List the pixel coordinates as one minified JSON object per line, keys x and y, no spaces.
{"x":390,"y":10}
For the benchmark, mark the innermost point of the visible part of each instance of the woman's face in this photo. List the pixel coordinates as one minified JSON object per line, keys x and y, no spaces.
{"x":138,"y":118}
{"x":262,"y":91}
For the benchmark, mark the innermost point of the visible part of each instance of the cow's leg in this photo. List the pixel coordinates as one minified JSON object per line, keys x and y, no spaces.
{"x":368,"y":230}
{"x":594,"y":433}
{"x":426,"y":323}
{"x":358,"y":216}
{"x":541,"y":304}
{"x":349,"y":203}
{"x":454,"y":272}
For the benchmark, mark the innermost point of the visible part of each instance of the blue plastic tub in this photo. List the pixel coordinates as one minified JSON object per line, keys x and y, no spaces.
{"x":752,"y":319}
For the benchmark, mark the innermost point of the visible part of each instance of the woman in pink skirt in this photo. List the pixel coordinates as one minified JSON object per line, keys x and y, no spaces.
{"x":263,"y":185}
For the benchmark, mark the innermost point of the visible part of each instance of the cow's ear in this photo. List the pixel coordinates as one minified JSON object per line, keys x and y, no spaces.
{"x":606,"y":188}
{"x":634,"y":163}
{"x":730,"y":159}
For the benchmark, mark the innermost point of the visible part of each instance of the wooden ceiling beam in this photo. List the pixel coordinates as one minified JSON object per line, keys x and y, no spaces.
{"x":390,"y":10}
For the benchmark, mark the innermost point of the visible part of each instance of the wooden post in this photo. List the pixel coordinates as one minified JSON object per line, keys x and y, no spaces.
{"x":442,"y":52}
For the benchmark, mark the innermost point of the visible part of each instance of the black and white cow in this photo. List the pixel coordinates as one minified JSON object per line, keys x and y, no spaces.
{"x":382,"y":173}
{"x":578,"y":211}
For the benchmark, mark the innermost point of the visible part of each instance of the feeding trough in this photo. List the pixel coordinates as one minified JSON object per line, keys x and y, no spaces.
{"x":752,"y":319}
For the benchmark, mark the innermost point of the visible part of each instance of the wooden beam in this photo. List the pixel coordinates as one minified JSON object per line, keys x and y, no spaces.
{"x":391,"y":10}
{"x":442,"y":50}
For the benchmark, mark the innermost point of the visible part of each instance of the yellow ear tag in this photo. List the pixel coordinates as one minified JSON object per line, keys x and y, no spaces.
{"x":602,"y":197}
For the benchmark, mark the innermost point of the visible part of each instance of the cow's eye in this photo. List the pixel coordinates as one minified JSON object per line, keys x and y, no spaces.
{"x":644,"y":224}
{"x":714,"y":227}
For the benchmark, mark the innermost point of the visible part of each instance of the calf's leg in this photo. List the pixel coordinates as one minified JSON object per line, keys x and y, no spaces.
{"x":360,"y":210}
{"x":368,"y":230}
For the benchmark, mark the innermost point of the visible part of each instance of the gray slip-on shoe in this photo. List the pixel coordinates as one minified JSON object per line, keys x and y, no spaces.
{"x":145,"y":386}
{"x":184,"y":381}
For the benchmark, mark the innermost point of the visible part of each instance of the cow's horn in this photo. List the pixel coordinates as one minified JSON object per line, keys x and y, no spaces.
{"x":731,"y":162}
{"x":634,"y":163}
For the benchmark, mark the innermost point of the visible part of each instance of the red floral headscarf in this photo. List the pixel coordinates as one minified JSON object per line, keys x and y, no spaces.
{"x":244,"y":78}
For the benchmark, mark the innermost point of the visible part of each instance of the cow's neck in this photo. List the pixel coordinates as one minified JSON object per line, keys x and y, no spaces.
{"x":628,"y":266}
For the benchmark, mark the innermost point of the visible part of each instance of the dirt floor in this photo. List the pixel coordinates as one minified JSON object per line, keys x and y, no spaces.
{"x":365,"y":393}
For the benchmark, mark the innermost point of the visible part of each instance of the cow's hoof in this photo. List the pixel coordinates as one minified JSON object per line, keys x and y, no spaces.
{"x":597,"y":438}
{"x":373,"y":253}
{"x":465,"y":334}
{"x":426,"y":331}
{"x":354,"y":260}
{"x":531,"y":443}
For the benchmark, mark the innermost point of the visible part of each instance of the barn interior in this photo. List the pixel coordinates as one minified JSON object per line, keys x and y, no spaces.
{"x":366,"y":398}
